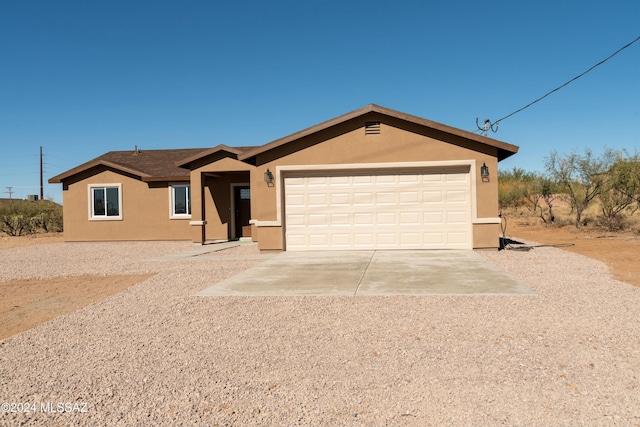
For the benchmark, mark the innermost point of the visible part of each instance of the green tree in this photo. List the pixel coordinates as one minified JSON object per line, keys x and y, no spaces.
{"x":621,"y":193}
{"x":549,"y":193}
{"x":582,"y":176}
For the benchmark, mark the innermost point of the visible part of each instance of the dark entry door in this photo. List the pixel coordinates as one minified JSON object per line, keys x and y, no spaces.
{"x":242,"y":205}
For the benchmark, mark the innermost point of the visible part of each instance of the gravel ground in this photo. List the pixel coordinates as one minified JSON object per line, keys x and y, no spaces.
{"x":157,"y":355}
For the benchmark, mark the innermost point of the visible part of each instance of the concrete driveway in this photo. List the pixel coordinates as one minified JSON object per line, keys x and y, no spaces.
{"x":351,"y":273}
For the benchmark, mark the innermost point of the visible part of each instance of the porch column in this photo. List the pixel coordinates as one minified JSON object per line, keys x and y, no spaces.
{"x":197,"y":221}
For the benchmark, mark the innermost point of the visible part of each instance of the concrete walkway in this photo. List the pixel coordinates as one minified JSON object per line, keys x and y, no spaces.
{"x":351,"y":273}
{"x":198,"y":249}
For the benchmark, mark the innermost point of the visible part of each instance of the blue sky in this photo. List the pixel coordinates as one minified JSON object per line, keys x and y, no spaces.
{"x":81,"y":78}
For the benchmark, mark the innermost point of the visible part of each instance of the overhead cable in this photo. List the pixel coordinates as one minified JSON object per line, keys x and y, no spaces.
{"x":573,"y":79}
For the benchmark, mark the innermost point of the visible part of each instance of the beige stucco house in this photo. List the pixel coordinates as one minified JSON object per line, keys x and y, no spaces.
{"x":373,"y":178}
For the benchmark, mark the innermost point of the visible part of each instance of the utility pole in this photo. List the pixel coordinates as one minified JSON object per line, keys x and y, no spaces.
{"x":41,"y":178}
{"x":9,"y":192}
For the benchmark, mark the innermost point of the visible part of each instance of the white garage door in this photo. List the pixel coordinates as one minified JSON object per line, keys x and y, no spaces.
{"x":378,"y":210}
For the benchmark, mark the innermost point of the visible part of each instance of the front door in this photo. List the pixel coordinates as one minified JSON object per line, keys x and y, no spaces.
{"x":242,"y":206}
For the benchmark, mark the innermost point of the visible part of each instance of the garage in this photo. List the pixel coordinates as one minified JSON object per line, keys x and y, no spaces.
{"x":378,"y":209}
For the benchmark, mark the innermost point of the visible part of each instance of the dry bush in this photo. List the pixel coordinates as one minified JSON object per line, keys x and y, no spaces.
{"x":22,"y":217}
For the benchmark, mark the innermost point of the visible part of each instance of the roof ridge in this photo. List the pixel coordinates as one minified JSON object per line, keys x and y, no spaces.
{"x":505,"y":149}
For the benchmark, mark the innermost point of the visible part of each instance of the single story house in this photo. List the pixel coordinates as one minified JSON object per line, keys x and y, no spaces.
{"x":373,"y":178}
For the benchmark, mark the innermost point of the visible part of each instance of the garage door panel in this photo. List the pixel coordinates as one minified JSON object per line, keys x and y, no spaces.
{"x":433,"y":238}
{"x":410,"y":179}
{"x":318,"y":220}
{"x":386,"y":218}
{"x":363,"y":198}
{"x":296,"y":182}
{"x":408,"y":197}
{"x":456,"y":177}
{"x":363,"y":239}
{"x":456,"y":196}
{"x":385,"y":180}
{"x":293,"y":220}
{"x":363,"y":180}
{"x":342,"y":239}
{"x":361,"y":219}
{"x":339,"y":199}
{"x":457,"y":217}
{"x":410,"y":239}
{"x":434,"y":218}
{"x":317,"y":199}
{"x":295,"y":200}
{"x":296,"y":239}
{"x":409,"y":218}
{"x":434,"y":196}
{"x":456,"y":237}
{"x":385,"y":198}
{"x":390,"y":211}
{"x":321,"y":239}
{"x":338,"y":181}
{"x":317,"y":181}
{"x":435,"y":178}
{"x":339,"y":219}
{"x":387,"y":239}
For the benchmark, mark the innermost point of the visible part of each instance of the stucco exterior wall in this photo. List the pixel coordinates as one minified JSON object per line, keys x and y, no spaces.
{"x":211,"y":218}
{"x":145,"y":210}
{"x":397,"y":142}
{"x":486,"y":236}
{"x":146,"y":206}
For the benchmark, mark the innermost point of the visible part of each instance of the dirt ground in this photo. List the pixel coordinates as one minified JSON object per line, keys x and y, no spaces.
{"x":620,"y":251}
{"x":7,"y":242}
{"x":27,"y":303}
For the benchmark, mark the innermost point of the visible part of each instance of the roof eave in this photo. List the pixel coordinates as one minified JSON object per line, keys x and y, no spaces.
{"x":166,"y":178}
{"x":221,"y":147}
{"x":96,"y":162}
{"x":508,"y":149}
{"x":306,"y":132}
{"x":503,"y":154}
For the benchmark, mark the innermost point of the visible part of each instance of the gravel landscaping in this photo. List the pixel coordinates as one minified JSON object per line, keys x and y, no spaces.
{"x":155,"y":354}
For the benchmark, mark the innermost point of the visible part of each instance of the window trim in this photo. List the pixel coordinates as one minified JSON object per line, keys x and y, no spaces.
{"x":172,"y":205}
{"x":93,"y":217}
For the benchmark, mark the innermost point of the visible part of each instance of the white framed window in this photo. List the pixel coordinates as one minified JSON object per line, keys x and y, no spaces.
{"x":105,"y":201}
{"x":180,"y":200}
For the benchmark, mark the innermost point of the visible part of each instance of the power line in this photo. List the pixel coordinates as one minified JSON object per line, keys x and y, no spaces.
{"x":570,"y":81}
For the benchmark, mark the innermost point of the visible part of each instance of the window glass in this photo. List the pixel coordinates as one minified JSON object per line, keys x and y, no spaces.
{"x":113,"y":202}
{"x":98,"y":202}
{"x":105,"y":202}
{"x":181,"y":200}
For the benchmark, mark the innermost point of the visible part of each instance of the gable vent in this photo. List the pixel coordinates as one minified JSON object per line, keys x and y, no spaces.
{"x":372,"y":128}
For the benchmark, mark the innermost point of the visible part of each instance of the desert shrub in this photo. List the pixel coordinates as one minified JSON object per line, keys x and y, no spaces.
{"x":48,"y":220}
{"x":563,"y":221}
{"x":511,"y":188}
{"x":621,"y":194}
{"x":55,"y":223}
{"x":21,"y":217}
{"x":535,"y":191}
{"x":617,"y":222}
{"x":582,"y":176}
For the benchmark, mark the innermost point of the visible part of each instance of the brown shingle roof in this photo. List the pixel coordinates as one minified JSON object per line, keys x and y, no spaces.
{"x":185,"y":161}
{"x":169,"y":165}
{"x":149,"y":165}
